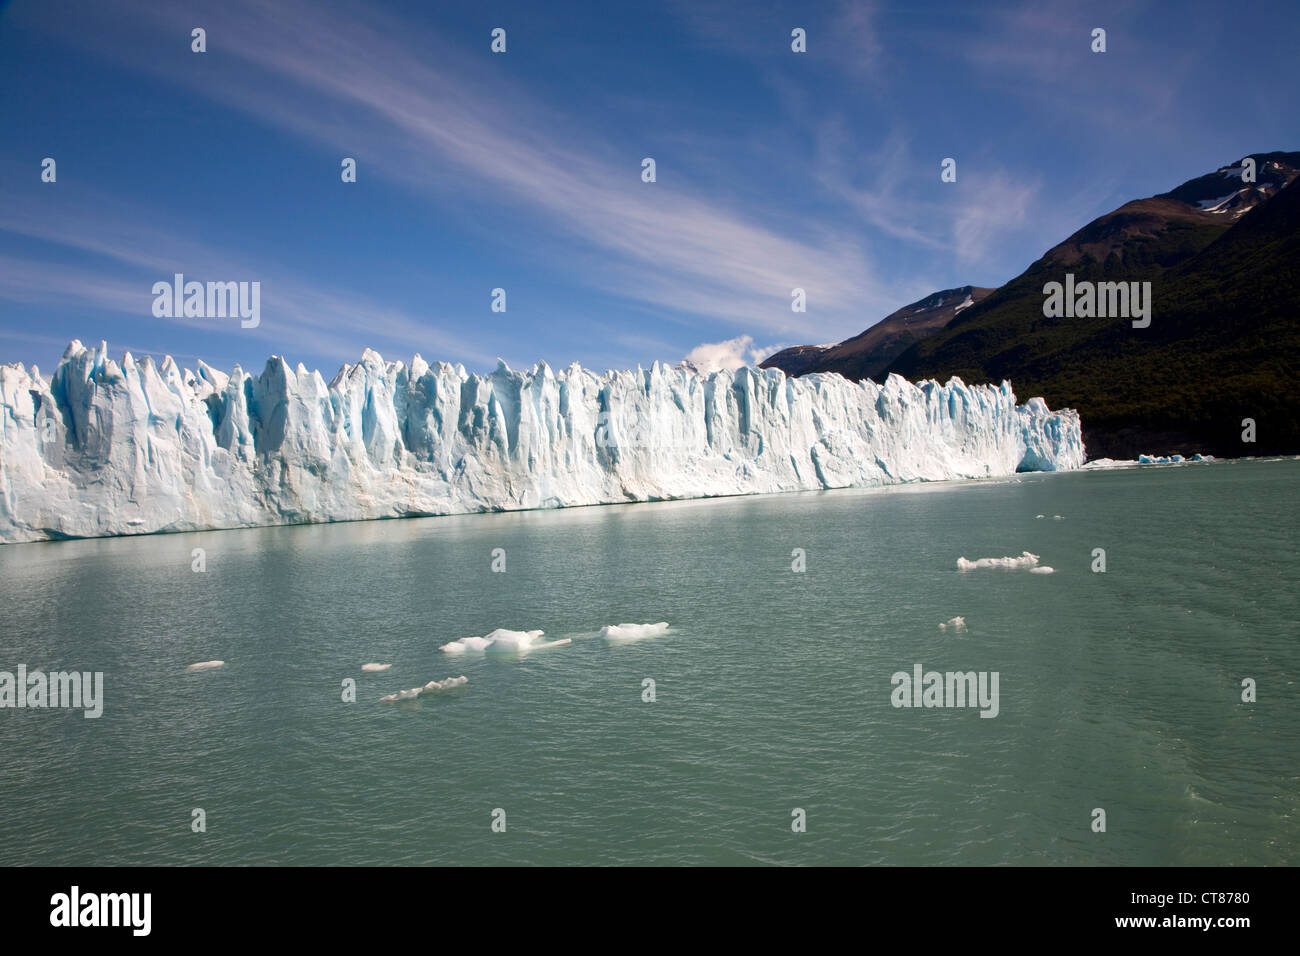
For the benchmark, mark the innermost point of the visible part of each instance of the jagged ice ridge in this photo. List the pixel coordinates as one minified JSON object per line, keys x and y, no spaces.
{"x":103,"y":448}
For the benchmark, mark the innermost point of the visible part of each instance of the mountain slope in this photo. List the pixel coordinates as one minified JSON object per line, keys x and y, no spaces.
{"x":1143,"y":237}
{"x":1223,"y":341}
{"x":869,"y":353}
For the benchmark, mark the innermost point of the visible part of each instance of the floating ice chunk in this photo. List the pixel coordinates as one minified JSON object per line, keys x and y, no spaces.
{"x":954,"y":624}
{"x":375,"y":667}
{"x":1101,"y":463}
{"x":1147,"y":460}
{"x":1026,"y":560}
{"x":205,"y":665}
{"x":1043,"y":570}
{"x":1058,"y":517}
{"x":502,"y":641}
{"x":632,"y":632}
{"x":447,"y":684}
{"x":466,"y":644}
{"x":414,"y":692}
{"x":404,"y":694}
{"x":1040,"y":516}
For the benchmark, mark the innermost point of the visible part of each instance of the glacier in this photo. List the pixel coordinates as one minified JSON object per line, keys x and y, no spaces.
{"x":103,"y":448}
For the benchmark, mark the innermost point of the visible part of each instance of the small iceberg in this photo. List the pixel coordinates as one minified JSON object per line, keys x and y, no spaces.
{"x":205,"y":665}
{"x":1171,"y":459}
{"x":414,"y":692}
{"x":1026,"y":560}
{"x":466,"y":644}
{"x":620,"y":633}
{"x":447,"y":684}
{"x":372,"y":668}
{"x":502,"y":641}
{"x":403,"y":694}
{"x":954,"y":624}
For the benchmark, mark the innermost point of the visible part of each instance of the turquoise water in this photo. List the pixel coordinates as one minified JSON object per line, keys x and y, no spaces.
{"x":1119,"y":690}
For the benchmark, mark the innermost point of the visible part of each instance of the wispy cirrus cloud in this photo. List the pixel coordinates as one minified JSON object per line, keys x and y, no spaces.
{"x":844,"y":33}
{"x":125,"y":249}
{"x":421,"y":113}
{"x":817,"y":172}
{"x":1041,"y":52}
{"x":889,"y":191}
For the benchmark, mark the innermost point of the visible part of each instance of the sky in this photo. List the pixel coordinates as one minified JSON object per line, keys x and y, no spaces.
{"x":522,"y":170}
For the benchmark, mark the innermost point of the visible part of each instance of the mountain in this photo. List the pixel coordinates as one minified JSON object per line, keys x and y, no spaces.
{"x":870,"y":353}
{"x":1223,"y":341}
{"x":1222,"y":192}
{"x":1149,"y":235}
{"x":102,"y":448}
{"x":1222,"y":258}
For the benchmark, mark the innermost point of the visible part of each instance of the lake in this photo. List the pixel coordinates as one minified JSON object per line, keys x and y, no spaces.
{"x":773,"y":695}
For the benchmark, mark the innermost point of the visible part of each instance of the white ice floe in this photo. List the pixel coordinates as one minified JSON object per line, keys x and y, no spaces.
{"x":205,"y":665}
{"x":375,"y":667}
{"x":447,"y":684}
{"x":414,"y":692}
{"x":403,"y":694}
{"x":954,"y":624}
{"x":502,"y":641}
{"x":1042,"y":570}
{"x":1172,"y":459}
{"x":467,"y":644}
{"x":103,"y":447}
{"x":1101,"y":464}
{"x":632,"y":632}
{"x":1026,"y":560}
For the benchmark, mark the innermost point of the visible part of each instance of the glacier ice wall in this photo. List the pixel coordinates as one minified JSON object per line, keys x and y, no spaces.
{"x":103,"y":448}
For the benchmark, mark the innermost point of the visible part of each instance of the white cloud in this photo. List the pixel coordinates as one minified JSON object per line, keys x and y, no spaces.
{"x":421,"y":113}
{"x":729,"y":355}
{"x":296,"y":310}
{"x":999,"y":206}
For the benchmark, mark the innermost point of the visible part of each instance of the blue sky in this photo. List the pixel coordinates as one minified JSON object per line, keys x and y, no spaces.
{"x":522,"y":170}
